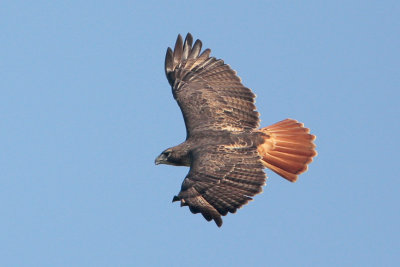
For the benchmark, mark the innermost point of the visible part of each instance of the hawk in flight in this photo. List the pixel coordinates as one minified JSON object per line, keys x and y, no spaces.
{"x":224,"y":148}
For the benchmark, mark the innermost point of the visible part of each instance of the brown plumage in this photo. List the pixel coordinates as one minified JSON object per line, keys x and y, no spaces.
{"x":223,"y":148}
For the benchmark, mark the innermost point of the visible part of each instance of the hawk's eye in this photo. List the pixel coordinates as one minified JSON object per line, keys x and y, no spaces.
{"x":167,"y":153}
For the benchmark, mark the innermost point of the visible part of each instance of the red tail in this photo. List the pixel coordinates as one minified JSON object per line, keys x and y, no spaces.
{"x":287,"y":149}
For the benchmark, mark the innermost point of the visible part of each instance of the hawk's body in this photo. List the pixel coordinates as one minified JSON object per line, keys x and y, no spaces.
{"x":224,"y":150}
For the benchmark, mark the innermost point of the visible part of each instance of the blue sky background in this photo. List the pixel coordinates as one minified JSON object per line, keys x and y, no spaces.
{"x":85,"y":108}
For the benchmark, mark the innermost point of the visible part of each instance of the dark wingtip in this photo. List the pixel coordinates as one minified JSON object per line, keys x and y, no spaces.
{"x":196,"y":49}
{"x":169,"y":60}
{"x":178,"y":40}
{"x":189,"y":37}
{"x":187,"y":46}
{"x":178,"y":47}
{"x":218,"y":221}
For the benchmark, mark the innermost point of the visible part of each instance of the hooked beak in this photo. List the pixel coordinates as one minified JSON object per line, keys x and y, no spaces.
{"x":160,"y":159}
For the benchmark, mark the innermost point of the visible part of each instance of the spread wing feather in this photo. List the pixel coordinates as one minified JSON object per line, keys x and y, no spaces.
{"x":221,"y":180}
{"x":209,"y":93}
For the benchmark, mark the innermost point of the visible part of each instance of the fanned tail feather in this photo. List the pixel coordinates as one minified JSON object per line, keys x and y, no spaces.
{"x":287,"y":149}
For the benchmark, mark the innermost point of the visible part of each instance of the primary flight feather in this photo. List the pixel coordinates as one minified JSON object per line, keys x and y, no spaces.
{"x":224,"y":149}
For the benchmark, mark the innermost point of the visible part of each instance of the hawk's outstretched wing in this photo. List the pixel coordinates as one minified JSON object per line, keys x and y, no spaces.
{"x":221,"y":180}
{"x":209,"y":93}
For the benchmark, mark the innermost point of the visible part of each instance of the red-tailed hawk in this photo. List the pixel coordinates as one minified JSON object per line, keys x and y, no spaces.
{"x":224,"y":149}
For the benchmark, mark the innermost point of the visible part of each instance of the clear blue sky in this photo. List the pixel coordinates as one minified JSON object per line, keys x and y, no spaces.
{"x":85,"y":108}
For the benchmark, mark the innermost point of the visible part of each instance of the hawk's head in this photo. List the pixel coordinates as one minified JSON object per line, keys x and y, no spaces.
{"x":174,"y":157}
